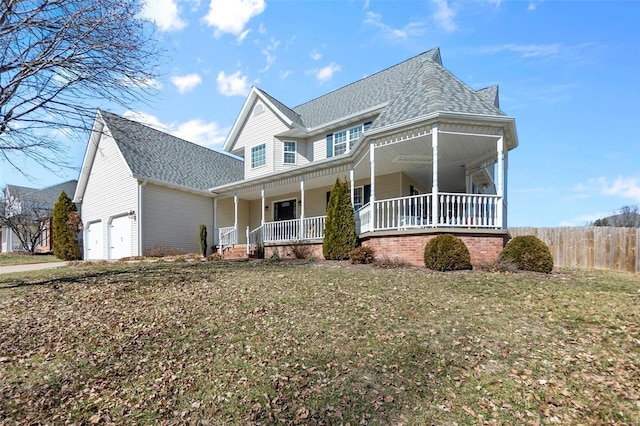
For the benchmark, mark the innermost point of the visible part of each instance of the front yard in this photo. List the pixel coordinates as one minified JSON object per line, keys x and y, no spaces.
{"x":259,"y":342}
{"x":7,"y":259}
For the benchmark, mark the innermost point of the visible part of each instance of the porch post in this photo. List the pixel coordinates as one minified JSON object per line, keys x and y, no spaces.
{"x":235,"y":214}
{"x":372,"y":198}
{"x":505,"y":198}
{"x":301,"y":234}
{"x":351,"y":180}
{"x":262,"y":206}
{"x":434,"y":188}
{"x":500,"y":183}
{"x":215,"y":221}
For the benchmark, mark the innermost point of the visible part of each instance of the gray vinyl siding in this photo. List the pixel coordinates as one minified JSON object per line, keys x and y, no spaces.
{"x":278,"y":154}
{"x":110,"y":192}
{"x":172,"y":218}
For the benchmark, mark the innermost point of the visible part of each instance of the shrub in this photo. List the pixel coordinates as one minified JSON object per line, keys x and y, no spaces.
{"x":447,"y":253}
{"x":361,"y":255}
{"x":301,"y":251}
{"x":391,"y":263}
{"x":340,"y":227}
{"x":203,"y":239}
{"x":528,"y":253}
{"x":162,"y":251}
{"x":65,"y":228}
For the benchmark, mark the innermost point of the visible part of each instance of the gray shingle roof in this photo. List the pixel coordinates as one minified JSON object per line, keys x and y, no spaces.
{"x":432,"y":89}
{"x":44,"y":198}
{"x":156,"y":155}
{"x":363,"y":94}
{"x":415,"y":87}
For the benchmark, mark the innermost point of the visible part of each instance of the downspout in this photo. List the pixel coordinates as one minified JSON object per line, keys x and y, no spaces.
{"x":140,"y":203}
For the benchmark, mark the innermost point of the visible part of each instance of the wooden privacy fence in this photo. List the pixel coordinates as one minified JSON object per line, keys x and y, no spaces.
{"x":600,"y":247}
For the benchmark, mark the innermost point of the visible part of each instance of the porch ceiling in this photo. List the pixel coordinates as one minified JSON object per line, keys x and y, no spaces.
{"x":414,"y":157}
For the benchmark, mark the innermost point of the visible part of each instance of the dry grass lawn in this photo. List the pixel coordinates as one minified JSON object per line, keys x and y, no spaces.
{"x":262,"y":343}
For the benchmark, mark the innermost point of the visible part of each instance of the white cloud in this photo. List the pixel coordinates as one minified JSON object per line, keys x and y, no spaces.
{"x":526,"y":50}
{"x":233,"y":84}
{"x":533,"y":5}
{"x":268,"y":52}
{"x":326,"y":73}
{"x":231,"y":16}
{"x":285,"y":74}
{"x":164,"y":13}
{"x":243,"y":35}
{"x":412,"y":29}
{"x":198,"y":131}
{"x":444,"y":15}
{"x":315,"y":55}
{"x":185,"y":83}
{"x":625,"y":187}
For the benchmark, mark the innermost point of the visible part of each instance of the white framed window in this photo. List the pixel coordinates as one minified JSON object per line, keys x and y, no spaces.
{"x":358,"y":198}
{"x":340,"y":142}
{"x":289,"y":152}
{"x":258,"y":155}
{"x":343,"y":141}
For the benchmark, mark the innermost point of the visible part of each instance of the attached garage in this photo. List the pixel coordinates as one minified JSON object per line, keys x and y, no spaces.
{"x":94,"y":240}
{"x":120,"y":237}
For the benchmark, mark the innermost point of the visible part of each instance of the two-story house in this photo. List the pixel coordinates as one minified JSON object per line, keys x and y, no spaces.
{"x":423,"y":153}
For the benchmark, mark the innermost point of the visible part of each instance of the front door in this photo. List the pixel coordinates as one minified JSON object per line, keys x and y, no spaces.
{"x":284,"y":210}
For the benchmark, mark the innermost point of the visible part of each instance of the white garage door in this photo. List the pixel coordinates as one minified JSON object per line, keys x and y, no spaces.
{"x":94,"y":240}
{"x":120,"y":237}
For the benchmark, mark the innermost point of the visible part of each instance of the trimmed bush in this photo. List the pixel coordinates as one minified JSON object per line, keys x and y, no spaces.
{"x":203,"y":239}
{"x":361,"y":255}
{"x":340,"y":227}
{"x":65,"y":224}
{"x":447,"y":253}
{"x":528,"y":253}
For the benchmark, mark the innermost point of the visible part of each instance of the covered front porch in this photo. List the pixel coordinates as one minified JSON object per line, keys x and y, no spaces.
{"x":420,"y":177}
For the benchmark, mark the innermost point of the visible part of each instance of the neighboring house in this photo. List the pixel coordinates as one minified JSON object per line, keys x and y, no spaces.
{"x":23,"y":205}
{"x":142,"y":188}
{"x":424,"y":154}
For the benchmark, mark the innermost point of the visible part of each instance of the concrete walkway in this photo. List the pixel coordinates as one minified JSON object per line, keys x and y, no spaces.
{"x":30,"y":267}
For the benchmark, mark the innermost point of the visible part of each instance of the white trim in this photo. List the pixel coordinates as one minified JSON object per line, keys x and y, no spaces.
{"x":295,"y":152}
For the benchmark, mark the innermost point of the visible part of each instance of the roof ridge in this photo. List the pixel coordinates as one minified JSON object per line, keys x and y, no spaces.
{"x":165,"y":133}
{"x":430,"y":51}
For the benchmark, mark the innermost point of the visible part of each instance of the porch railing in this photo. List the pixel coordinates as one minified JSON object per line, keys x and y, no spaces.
{"x":469,"y":210}
{"x":227,"y":236}
{"x":309,"y":228}
{"x":404,"y":212}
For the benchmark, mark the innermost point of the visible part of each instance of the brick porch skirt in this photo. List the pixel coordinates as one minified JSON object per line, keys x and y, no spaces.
{"x":407,"y":246}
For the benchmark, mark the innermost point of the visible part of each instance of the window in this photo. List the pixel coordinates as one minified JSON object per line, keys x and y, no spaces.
{"x":340,"y":142}
{"x":337,"y":142}
{"x":258,"y":156}
{"x":289,"y":152}
{"x":258,"y":109}
{"x":361,"y":196}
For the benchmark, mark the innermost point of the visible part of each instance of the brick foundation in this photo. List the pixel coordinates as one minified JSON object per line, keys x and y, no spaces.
{"x":285,"y":251}
{"x":410,"y":247}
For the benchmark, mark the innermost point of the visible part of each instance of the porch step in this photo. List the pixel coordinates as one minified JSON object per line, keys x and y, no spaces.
{"x":235,"y":252}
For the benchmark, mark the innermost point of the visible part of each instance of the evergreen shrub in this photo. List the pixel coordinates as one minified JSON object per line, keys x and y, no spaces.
{"x":528,"y":253}
{"x":447,"y":253}
{"x":340,"y":227}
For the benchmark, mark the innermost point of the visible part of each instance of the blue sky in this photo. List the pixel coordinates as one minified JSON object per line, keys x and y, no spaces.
{"x":568,"y":71}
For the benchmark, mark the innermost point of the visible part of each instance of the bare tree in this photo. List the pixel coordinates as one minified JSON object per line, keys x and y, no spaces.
{"x":627,"y":216}
{"x":26,"y":218}
{"x":59,"y":59}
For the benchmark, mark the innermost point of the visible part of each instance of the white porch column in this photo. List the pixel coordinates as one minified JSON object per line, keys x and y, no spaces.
{"x":301,"y":235}
{"x":235,"y":212}
{"x":215,"y":221}
{"x":353,"y":185}
{"x":262,"y":206}
{"x":372,"y":198}
{"x":500,"y":180}
{"x":434,"y":164}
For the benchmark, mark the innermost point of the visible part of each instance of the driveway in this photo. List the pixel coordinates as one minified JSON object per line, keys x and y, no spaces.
{"x":30,"y":267}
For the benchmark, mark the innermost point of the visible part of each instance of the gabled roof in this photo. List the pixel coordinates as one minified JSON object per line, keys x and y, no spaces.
{"x":42,"y":198}
{"x":416,"y":87}
{"x":158,"y":156}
